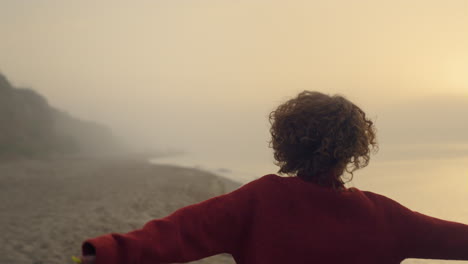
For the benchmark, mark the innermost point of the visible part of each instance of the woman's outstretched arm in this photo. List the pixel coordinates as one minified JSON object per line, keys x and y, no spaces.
{"x":427,"y":237}
{"x":197,"y":231}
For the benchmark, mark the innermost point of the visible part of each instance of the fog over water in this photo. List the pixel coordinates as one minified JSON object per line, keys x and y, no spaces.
{"x":201,"y":77}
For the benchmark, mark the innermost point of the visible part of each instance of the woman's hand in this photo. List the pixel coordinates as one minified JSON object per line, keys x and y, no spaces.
{"x":89,"y":259}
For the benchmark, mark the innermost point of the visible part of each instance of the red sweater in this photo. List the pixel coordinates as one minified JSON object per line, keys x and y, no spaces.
{"x":286,"y":220}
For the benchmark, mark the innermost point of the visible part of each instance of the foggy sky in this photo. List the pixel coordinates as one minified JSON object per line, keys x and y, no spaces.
{"x":203,"y":75}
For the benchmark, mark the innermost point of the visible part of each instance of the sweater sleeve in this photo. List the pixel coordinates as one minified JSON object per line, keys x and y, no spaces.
{"x":193,"y":232}
{"x":427,"y":237}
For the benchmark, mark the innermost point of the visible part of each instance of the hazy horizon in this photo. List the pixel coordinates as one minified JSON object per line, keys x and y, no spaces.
{"x":203,"y":76}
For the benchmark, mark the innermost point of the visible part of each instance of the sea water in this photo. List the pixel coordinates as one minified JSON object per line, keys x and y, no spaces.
{"x":241,"y":168}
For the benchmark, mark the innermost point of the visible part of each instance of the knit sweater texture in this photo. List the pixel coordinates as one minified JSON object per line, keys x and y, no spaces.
{"x":277,"y":220}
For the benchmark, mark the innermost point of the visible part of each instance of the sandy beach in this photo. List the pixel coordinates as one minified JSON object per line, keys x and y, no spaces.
{"x":48,"y":207}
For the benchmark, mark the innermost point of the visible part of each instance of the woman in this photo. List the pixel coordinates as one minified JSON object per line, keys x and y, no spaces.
{"x":309,"y":217}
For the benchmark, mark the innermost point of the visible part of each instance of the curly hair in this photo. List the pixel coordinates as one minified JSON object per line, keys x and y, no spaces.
{"x":316,"y":136}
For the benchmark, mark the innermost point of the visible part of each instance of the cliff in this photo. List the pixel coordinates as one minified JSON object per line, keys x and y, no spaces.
{"x":31,"y":128}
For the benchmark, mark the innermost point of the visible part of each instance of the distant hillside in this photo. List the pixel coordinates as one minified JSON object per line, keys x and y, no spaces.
{"x":30,"y":127}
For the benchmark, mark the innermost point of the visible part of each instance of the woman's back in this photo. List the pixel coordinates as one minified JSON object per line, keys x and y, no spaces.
{"x":315,"y":224}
